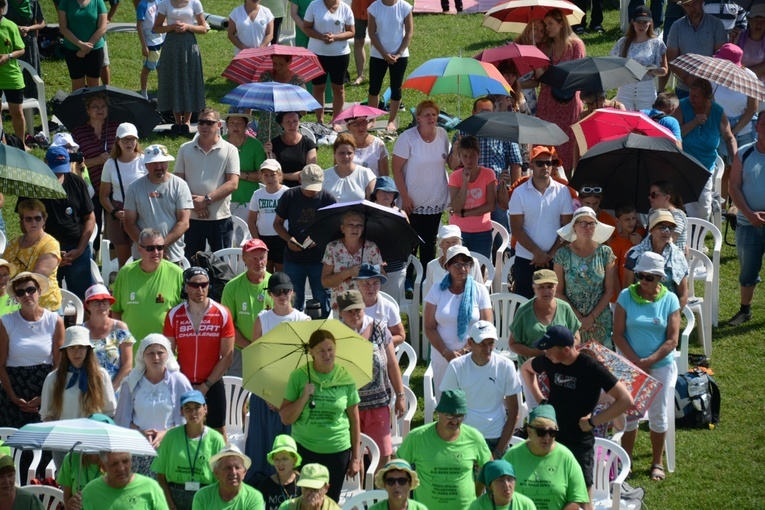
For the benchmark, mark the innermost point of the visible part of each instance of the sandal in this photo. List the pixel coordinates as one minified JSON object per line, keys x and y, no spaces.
{"x":657,"y":473}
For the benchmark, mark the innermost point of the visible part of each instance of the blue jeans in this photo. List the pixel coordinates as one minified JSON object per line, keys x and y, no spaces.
{"x":298,"y":272}
{"x":77,"y":275}
{"x":216,"y":233}
{"x":750,"y":245}
{"x":479,"y":242}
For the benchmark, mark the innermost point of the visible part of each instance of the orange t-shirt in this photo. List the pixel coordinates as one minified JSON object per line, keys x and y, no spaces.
{"x":620,"y":246}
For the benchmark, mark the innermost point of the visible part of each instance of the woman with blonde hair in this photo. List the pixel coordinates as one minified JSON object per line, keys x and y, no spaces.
{"x":534,"y":34}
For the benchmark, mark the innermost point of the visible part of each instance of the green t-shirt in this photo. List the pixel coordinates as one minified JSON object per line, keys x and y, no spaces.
{"x":446,"y":469}
{"x":142,"y":493}
{"x":550,"y":481}
{"x":70,"y":466}
{"x":247,"y":499}
{"x":527,"y":329}
{"x":519,"y":502}
{"x":82,"y":21}
{"x":145,"y":298}
{"x":294,"y":504}
{"x":246,"y":301}
{"x":26,"y":500}
{"x":10,"y":74}
{"x":8,"y":305}
{"x":325,"y":428}
{"x":176,"y":455}
{"x":410,"y":505}
{"x":251,"y":155}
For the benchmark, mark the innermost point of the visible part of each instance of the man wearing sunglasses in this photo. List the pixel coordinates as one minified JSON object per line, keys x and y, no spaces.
{"x":575,"y":382}
{"x":398,"y":479}
{"x":210,"y":166}
{"x":201,"y":331}
{"x":537,"y":209}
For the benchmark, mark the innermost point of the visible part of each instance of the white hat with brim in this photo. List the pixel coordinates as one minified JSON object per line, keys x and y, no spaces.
{"x":650,"y":263}
{"x":453,"y":251}
{"x":602,"y":233}
{"x":76,"y":335}
{"x":42,"y":282}
{"x":225,"y":116}
{"x":230,"y":451}
{"x":156,"y":154}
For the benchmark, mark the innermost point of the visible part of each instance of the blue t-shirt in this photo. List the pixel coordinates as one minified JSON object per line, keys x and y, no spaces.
{"x":752,"y":180}
{"x":667,"y":121}
{"x":702,"y":141}
{"x":646,"y":328}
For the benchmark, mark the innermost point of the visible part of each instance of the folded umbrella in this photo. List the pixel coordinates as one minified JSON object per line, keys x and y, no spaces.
{"x":608,"y":123}
{"x":594,"y":74}
{"x":513,"y":127}
{"x":24,"y":175}
{"x":250,"y":63}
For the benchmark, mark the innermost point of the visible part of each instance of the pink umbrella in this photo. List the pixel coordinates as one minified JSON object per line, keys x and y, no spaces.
{"x":526,"y":57}
{"x":359,"y":110}
{"x":249,"y":64}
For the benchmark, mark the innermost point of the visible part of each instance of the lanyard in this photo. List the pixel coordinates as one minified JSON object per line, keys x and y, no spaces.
{"x":193,"y":464}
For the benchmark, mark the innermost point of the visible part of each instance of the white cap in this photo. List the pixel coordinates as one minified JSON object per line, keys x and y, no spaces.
{"x":127,"y":129}
{"x":651,"y":263}
{"x":156,"y":154}
{"x":453,"y":251}
{"x":65,"y":140}
{"x":447,"y":231}
{"x":482,"y":330}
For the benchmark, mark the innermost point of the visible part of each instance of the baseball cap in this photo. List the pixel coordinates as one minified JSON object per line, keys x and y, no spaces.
{"x":540,"y":150}
{"x":313,"y":476}
{"x":127,"y":129}
{"x":641,"y":13}
{"x":193,"y":396}
{"x":453,"y":251}
{"x":447,"y":231}
{"x":254,"y":244}
{"x":544,"y":276}
{"x":271,"y":164}
{"x":279,"y":281}
{"x":311,"y":177}
{"x":57,"y":158}
{"x":482,"y":330}
{"x":350,"y":300}
{"x":156,"y":154}
{"x":556,"y":336}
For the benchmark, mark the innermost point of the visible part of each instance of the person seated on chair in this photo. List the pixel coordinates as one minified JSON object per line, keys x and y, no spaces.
{"x":229,"y":492}
{"x":119,"y":484}
{"x":15,"y":498}
{"x":398,"y":479}
{"x":369,"y":281}
{"x":499,"y":478}
{"x":314,"y":482}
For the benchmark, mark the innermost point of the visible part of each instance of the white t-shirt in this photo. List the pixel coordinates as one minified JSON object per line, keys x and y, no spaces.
{"x":389,"y":314}
{"x":72,"y":406}
{"x":370,"y":156}
{"x":329,"y":22}
{"x":390,"y":25}
{"x":351,"y":188}
{"x":447,"y":310}
{"x":541,"y":213}
{"x":251,"y":31}
{"x":485,"y":388}
{"x":130,"y":172}
{"x":31,"y":341}
{"x":425,"y":169}
{"x":185,"y":14}
{"x":269,"y":320}
{"x":264,"y":203}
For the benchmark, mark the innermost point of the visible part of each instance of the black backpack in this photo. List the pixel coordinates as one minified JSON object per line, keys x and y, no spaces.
{"x":220,"y":273}
{"x":697,"y":400}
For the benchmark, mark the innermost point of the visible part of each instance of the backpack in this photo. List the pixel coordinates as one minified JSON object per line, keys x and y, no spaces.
{"x":219,"y":272}
{"x":697,"y":400}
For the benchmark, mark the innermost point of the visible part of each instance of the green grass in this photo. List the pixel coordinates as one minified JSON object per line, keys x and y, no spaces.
{"x":719,"y":468}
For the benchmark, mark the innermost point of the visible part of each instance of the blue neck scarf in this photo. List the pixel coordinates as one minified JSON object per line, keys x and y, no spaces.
{"x":79,"y":377}
{"x":466,"y":305}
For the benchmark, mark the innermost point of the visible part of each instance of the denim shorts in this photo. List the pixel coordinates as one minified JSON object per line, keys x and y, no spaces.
{"x":750,"y":244}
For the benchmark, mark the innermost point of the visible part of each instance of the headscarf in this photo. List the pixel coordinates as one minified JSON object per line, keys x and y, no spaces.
{"x":465,"y":312}
{"x":135,"y":375}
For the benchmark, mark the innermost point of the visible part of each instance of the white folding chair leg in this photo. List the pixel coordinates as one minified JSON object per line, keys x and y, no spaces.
{"x":669,"y":439}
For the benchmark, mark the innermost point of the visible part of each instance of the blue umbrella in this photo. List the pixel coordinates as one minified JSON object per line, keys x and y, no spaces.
{"x":271,"y":97}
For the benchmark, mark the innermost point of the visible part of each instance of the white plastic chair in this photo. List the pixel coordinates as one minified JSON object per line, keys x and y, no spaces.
{"x":72,"y":306}
{"x":352,"y":487}
{"x":606,"y":493}
{"x":503,"y":307}
{"x":702,"y":305}
{"x":307,"y":133}
{"x":5,"y":433}
{"x":717,"y":178}
{"x":236,"y":399}
{"x":365,"y":500}
{"x":232,"y":257}
{"x":287,"y":31}
{"x":30,"y":104}
{"x":681,"y":353}
{"x":95,"y":272}
{"x":484,"y":262}
{"x":51,"y":497}
{"x":429,"y":394}
{"x":411,"y":307}
{"x":240,"y":226}
{"x":3,"y":242}
{"x":507,"y":267}
{"x":108,"y":265}
{"x":411,"y":355}
{"x":400,"y":427}
{"x":698,"y":230}
{"x":498,"y":230}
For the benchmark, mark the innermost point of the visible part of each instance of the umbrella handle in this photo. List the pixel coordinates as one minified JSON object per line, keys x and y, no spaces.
{"x":311,"y":404}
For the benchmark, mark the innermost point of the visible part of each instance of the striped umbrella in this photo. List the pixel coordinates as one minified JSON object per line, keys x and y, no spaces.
{"x":22,"y":174}
{"x":249,"y":64}
{"x":82,"y":435}
{"x":463,"y":76}
{"x":271,"y":97}
{"x":722,"y":72}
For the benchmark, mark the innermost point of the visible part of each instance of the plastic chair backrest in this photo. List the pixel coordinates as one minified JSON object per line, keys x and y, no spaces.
{"x":608,"y":457}
{"x":698,"y":230}
{"x":405,"y":348}
{"x":400,"y":427}
{"x":429,"y":394}
{"x":240,"y":226}
{"x":364,"y":500}
{"x":498,"y":229}
{"x":69,"y":299}
{"x":232,"y":257}
{"x":503,"y":306}
{"x":51,"y":497}
{"x":484,"y":261}
{"x":3,"y":242}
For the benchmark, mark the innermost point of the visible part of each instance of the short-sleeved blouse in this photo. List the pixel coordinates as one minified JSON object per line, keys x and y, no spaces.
{"x":251,"y":31}
{"x":425,"y":169}
{"x":107,"y":349}
{"x":337,"y":256}
{"x":185,"y":14}
{"x":25,"y":259}
{"x":370,"y":155}
{"x":647,"y":53}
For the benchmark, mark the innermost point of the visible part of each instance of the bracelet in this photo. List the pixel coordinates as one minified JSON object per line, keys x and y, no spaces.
{"x":592,"y":423}
{"x":402,"y":394}
{"x":208,"y":383}
{"x":114,"y":212}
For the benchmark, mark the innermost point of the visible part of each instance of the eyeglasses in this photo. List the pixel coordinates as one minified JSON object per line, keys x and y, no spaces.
{"x":33,"y":219}
{"x":655,"y":194}
{"x":454,"y":417}
{"x":198,"y":285}
{"x":281,"y":292}
{"x":547,"y":162}
{"x":462,"y":265}
{"x":205,"y":122}
{"x":647,"y":277}
{"x":664,"y":228}
{"x":586,"y":224}
{"x":27,"y":291}
{"x":545,"y":432}
{"x":99,"y":302}
{"x":597,"y":190}
{"x":153,"y":247}
{"x":390,"y":482}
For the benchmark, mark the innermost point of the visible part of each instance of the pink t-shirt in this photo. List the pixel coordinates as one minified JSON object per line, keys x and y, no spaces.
{"x":476,"y":197}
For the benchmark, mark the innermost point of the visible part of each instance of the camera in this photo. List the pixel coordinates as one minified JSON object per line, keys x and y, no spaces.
{"x":76,"y":157}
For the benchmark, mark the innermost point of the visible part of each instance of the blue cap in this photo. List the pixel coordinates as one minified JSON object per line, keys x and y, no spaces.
{"x":193,"y":396}
{"x":556,"y":336}
{"x":58,"y":159}
{"x":367,"y":271}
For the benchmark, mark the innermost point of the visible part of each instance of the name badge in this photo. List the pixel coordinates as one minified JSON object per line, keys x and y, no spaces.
{"x":192,"y":486}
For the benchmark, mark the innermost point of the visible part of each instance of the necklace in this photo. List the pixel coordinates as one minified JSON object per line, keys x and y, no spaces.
{"x":293,"y":484}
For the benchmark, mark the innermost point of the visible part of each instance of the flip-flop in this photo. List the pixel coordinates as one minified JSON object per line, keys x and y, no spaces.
{"x":657,"y":473}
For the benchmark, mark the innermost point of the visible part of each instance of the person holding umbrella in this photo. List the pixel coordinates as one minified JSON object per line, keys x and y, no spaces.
{"x":322,"y":405}
{"x":268,"y":126}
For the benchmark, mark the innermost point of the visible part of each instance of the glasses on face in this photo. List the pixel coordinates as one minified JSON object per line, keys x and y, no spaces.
{"x":26,"y":291}
{"x":664,"y":229}
{"x":153,"y":247}
{"x":454,"y":417}
{"x":647,"y":277}
{"x":591,"y":190}
{"x":390,"y":482}
{"x":361,"y":122}
{"x":586,"y":224}
{"x":545,"y":432}
{"x":198,"y":285}
{"x":546,"y":162}
{"x":206,"y":122}
{"x":281,"y":292}
{"x":99,"y":302}
{"x":33,"y":219}
{"x":655,"y":194}
{"x":462,"y":265}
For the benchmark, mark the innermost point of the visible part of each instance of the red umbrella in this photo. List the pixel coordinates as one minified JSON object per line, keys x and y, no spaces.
{"x":513,"y":16}
{"x":249,"y":64}
{"x":359,"y":110}
{"x":526,"y":57}
{"x":608,"y":123}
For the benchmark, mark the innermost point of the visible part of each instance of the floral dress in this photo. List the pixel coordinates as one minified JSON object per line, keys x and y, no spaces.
{"x":107,"y":349}
{"x":585,"y":285}
{"x":337,"y":256}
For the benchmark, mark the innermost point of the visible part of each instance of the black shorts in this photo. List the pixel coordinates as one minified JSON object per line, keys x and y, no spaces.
{"x":276,"y":246}
{"x":335,"y":66}
{"x":361,"y":29}
{"x":14,"y":96}
{"x":90,"y":65}
{"x":216,"y":405}
{"x":585,"y":456}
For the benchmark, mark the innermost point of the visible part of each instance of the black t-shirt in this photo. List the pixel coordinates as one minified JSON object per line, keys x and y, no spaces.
{"x":274,"y":494}
{"x":300,"y":211}
{"x":292,"y":157}
{"x":574,"y":392}
{"x":66,"y":216}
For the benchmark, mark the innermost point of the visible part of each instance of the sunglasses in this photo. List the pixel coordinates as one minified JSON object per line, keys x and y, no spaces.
{"x":205,"y":122}
{"x":198,"y":285}
{"x":390,"y":482}
{"x":281,"y":292}
{"x":451,"y":417}
{"x":597,"y":190}
{"x":586,"y":224}
{"x":544,"y":163}
{"x":664,"y":228}
{"x":27,"y":291}
{"x":153,"y":247}
{"x":655,"y":194}
{"x":647,"y":277}
{"x":33,"y":219}
{"x":545,"y":432}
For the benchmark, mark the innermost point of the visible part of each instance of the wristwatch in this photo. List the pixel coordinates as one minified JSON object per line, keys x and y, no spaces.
{"x":208,"y":200}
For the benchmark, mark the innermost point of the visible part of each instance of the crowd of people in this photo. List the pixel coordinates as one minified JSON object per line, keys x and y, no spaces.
{"x":155,"y":346}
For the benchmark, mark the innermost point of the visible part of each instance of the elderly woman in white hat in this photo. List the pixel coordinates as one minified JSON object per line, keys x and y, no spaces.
{"x":587,"y":275}
{"x":448,"y":236}
{"x":398,"y":479}
{"x":229,"y":466}
{"x":646,"y":331}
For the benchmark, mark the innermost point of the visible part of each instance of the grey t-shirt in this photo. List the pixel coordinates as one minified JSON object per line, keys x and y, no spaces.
{"x":703,"y":40}
{"x":157,"y":205}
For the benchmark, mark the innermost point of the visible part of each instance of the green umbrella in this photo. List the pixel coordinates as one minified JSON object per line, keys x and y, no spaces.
{"x":22,"y":174}
{"x":268,"y":363}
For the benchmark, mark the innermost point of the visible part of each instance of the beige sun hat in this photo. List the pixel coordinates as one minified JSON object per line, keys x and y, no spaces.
{"x":602,"y":233}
